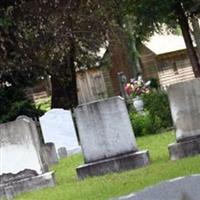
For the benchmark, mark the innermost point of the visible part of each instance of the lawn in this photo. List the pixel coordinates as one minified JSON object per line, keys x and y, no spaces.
{"x":105,"y":187}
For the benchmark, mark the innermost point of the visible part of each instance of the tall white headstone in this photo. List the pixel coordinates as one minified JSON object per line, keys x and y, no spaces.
{"x":58,"y":127}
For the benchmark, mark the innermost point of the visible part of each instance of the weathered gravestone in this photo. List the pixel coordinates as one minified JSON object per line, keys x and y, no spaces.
{"x":21,"y":164}
{"x":62,"y":152}
{"x":49,"y":154}
{"x":182,"y":188}
{"x":185,"y":108}
{"x":58,"y":127}
{"x":107,"y":139}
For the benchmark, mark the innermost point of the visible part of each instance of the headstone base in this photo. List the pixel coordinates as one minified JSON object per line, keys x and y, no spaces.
{"x":184,"y":149}
{"x":114,"y":164}
{"x":11,"y":189}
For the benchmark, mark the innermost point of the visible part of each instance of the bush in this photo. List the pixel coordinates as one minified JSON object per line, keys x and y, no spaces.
{"x":157,"y":104}
{"x":157,"y":115}
{"x":142,"y":124}
{"x":154,"y":83}
{"x":13,"y":103}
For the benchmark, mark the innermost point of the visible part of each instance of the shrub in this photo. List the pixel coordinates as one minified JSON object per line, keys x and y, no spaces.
{"x":154,"y":83}
{"x":13,"y":103}
{"x":157,"y":115}
{"x":142,"y":123}
{"x":157,"y":104}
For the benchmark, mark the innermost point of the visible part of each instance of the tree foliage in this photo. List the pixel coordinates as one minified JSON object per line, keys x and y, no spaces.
{"x":14,"y":103}
{"x":41,"y":38}
{"x":51,"y":38}
{"x":151,"y":15}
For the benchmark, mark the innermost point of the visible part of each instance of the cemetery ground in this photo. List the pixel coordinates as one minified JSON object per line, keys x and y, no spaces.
{"x":117,"y":184}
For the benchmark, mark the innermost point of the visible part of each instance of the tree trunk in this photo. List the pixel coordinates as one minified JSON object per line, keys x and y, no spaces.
{"x":136,"y":58}
{"x":196,"y":32}
{"x":183,"y":21}
{"x":63,"y":81}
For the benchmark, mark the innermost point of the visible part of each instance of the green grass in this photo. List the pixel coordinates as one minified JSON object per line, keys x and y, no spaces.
{"x":105,"y":187}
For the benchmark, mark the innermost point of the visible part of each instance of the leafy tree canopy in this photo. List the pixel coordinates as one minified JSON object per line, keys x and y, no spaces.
{"x":37,"y":35}
{"x":54,"y":37}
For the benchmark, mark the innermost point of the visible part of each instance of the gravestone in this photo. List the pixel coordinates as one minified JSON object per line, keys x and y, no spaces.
{"x":185,"y":108}
{"x":62,"y":152}
{"x":182,"y":188}
{"x":58,"y":127}
{"x":22,"y":166}
{"x":49,"y":153}
{"x":107,"y":138}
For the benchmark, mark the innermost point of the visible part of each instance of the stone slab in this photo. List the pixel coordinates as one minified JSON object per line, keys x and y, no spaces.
{"x":115,"y":164}
{"x":11,"y":189}
{"x":20,"y":147}
{"x":58,"y":127}
{"x":182,"y":188}
{"x":105,"y":129}
{"x":49,"y":154}
{"x":184,"y":149}
{"x":184,"y":100}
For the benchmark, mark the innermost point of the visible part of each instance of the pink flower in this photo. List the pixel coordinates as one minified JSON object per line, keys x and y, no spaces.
{"x":128,"y":89}
{"x":137,"y":87}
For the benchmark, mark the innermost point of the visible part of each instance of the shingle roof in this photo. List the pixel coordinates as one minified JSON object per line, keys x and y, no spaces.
{"x":165,"y":43}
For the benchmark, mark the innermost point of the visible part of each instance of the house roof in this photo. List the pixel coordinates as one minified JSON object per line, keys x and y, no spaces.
{"x":165,"y":43}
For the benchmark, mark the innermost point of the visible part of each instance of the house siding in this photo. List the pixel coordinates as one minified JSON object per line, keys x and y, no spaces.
{"x":169,"y":68}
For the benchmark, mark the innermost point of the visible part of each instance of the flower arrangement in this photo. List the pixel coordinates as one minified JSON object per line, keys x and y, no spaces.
{"x":137,"y":87}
